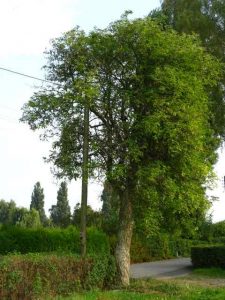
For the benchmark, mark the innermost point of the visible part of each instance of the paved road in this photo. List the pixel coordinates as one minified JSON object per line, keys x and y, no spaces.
{"x":158,"y":269}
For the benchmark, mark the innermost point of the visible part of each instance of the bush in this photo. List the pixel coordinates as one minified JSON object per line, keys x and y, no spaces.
{"x":218,"y":229}
{"x":218,"y":240}
{"x":161,"y":246}
{"x":28,"y":240}
{"x":33,"y":276}
{"x":103,"y":272}
{"x":97,"y":242}
{"x":208,"y":256}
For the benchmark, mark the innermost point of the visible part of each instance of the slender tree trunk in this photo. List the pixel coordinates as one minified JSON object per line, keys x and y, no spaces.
{"x":84,"y":192}
{"x":124,"y":239}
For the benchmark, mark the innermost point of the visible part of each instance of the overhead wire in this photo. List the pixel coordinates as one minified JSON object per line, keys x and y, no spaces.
{"x":5,"y":118}
{"x":29,"y":76}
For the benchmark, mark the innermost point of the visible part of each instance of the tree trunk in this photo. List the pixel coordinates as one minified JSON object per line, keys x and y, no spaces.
{"x":84,"y":192}
{"x":124,"y":239}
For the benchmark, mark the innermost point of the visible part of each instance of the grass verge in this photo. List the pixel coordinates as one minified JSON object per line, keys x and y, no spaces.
{"x":177,"y":289}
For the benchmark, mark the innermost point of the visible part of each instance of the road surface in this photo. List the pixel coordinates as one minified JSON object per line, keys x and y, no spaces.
{"x":162,"y":269}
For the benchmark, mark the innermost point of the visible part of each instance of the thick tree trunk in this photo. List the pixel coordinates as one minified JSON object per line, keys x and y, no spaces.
{"x":124,"y":239}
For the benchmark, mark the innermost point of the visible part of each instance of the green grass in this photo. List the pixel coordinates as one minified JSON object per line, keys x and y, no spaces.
{"x":198,"y":294}
{"x":155,"y":290}
{"x":196,"y":286}
{"x":209,"y":272}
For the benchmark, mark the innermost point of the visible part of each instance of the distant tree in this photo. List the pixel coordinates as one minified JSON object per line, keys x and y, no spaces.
{"x":31,"y":219}
{"x":18,"y":214}
{"x":37,"y":201}
{"x":7,"y":211}
{"x":60,"y":213}
{"x":110,"y":209}
{"x":94,"y":218}
{"x":10,"y":214}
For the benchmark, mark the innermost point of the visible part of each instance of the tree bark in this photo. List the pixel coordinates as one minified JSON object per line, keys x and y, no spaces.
{"x":124,"y":239}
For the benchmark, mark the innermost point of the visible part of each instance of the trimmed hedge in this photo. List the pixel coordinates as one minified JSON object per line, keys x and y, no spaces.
{"x":208,"y":256}
{"x":35,"y":276}
{"x":28,"y":240}
{"x":159,"y":247}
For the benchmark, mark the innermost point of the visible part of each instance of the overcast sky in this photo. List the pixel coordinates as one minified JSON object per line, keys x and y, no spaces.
{"x":26,"y":27}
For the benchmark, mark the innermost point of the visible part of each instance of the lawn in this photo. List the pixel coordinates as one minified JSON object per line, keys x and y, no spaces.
{"x":207,"y":284}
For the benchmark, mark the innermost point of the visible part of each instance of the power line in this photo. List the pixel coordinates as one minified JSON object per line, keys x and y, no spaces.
{"x":29,"y":76}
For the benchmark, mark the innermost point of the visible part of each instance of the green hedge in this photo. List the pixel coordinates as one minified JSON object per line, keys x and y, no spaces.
{"x":159,"y":247}
{"x":208,"y":256}
{"x":27,"y":240}
{"x":35,"y":276}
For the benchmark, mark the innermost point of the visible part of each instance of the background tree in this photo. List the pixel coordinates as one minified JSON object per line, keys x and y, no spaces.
{"x":37,"y":202}
{"x":150,"y":132}
{"x":93,"y":218}
{"x":60,"y":213}
{"x":110,"y":209}
{"x":30,"y":219}
{"x":207,"y":19}
{"x":19,"y":214}
{"x":10,"y":214}
{"x":7,"y":210}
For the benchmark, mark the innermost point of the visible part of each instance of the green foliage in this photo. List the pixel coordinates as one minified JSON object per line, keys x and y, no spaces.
{"x":30,"y":219}
{"x":60,"y":213}
{"x":7,"y":212}
{"x":110,"y":209}
{"x":148,"y":91}
{"x":153,"y":113}
{"x":10,"y":214}
{"x":218,"y":229}
{"x":93,"y":218}
{"x":152,"y":289}
{"x":212,"y":232}
{"x":26,"y":240}
{"x":160,"y":246}
{"x":36,"y":276}
{"x":207,"y":19}
{"x":208,"y":256}
{"x":37,"y":201}
{"x":103,"y":272}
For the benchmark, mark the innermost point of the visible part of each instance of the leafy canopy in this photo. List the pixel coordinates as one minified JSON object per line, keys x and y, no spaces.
{"x":148,"y":90}
{"x":207,"y":19}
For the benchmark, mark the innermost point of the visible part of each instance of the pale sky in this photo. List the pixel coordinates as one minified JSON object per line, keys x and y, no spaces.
{"x":26,"y":26}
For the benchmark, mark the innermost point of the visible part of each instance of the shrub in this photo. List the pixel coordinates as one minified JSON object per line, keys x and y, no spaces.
{"x":218,"y":229}
{"x":161,"y":246}
{"x":33,"y":276}
{"x":218,"y":240}
{"x":208,"y":256}
{"x":97,"y":242}
{"x":28,"y":240}
{"x":103,"y":272}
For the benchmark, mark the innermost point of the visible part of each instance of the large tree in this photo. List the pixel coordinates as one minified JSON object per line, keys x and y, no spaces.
{"x":60,"y":213}
{"x":149,"y":135}
{"x":37,"y":202}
